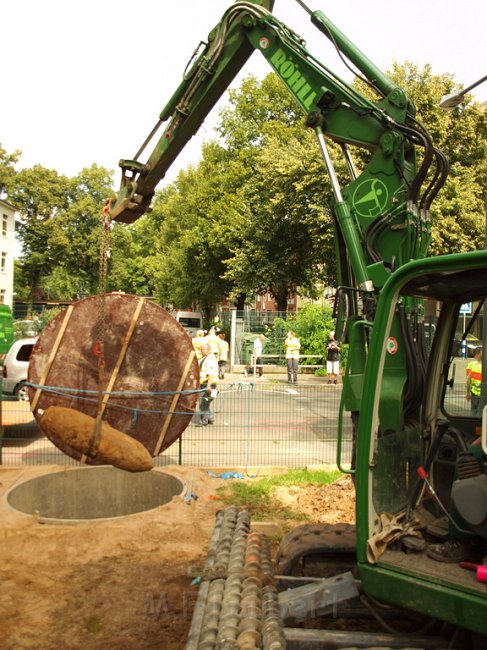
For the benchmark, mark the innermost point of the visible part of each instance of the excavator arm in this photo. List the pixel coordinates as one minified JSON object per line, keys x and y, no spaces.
{"x":381,"y":217}
{"x":381,"y":213}
{"x":207,"y":76}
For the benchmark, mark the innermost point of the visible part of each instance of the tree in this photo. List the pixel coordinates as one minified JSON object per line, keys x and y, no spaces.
{"x":134,"y":264}
{"x":286,"y":230}
{"x":7,"y":169}
{"x":40,"y":195}
{"x":81,"y":227}
{"x":286,"y":240}
{"x":312,"y":325}
{"x":59,"y":229}
{"x":191,"y":246}
{"x":253,"y":216}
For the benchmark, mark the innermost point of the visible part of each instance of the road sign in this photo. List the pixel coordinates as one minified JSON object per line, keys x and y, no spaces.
{"x":466,"y":308}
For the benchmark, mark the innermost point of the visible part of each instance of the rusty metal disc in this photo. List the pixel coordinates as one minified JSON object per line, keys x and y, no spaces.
{"x":149,"y":358}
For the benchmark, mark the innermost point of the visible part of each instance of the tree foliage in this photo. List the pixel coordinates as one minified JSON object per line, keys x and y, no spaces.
{"x":242,"y":222}
{"x":58,"y":230}
{"x":7,"y":169}
{"x":312,"y":325}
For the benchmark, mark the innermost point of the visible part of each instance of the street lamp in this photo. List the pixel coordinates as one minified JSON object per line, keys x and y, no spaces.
{"x":455,"y":99}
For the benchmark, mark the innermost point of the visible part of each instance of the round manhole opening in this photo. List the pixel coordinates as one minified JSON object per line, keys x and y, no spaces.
{"x":93,"y":493}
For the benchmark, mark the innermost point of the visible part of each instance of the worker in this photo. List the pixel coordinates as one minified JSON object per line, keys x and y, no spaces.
{"x":208,"y":383}
{"x":292,"y":345}
{"x":474,"y":382}
{"x":197,"y":342}
{"x":213,"y":340}
{"x":332,"y":359}
{"x":223,"y":349}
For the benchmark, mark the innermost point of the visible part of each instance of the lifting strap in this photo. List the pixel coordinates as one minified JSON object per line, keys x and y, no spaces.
{"x":52,"y":356}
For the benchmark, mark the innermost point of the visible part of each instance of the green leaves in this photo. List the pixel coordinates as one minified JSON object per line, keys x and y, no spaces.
{"x":58,"y":231}
{"x":7,"y":169}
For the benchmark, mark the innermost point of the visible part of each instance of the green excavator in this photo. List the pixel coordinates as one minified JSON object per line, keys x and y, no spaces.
{"x":420,"y":447}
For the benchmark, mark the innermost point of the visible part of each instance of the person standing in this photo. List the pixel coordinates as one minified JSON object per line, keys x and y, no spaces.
{"x":208,"y":383}
{"x":256,"y":357}
{"x":223,"y":349}
{"x":292,"y":346}
{"x":197,"y":342}
{"x":213,"y":340}
{"x":474,"y":382}
{"x":332,"y":359}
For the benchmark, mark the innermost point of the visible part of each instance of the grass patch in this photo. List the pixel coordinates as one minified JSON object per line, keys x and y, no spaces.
{"x":257,"y":495}
{"x":93,"y":624}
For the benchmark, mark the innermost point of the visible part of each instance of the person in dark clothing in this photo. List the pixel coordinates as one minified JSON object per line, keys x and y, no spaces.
{"x":208,"y":383}
{"x":332,"y":359}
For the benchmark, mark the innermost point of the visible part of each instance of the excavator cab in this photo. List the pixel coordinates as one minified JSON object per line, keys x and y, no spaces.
{"x":421,"y":474}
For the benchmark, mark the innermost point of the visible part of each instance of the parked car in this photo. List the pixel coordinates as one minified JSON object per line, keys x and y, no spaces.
{"x":26,"y":328}
{"x":192,"y":321}
{"x":15,"y":367}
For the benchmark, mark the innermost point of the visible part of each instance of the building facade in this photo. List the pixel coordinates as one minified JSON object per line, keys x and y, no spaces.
{"x":7,"y":246}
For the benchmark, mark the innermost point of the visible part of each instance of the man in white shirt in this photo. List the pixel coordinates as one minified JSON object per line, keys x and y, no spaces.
{"x":208,"y":380}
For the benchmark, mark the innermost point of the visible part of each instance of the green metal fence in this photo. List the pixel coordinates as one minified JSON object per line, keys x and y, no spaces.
{"x":256,"y":423}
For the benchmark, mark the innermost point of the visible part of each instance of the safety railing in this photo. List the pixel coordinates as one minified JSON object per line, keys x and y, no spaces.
{"x":281,"y":361}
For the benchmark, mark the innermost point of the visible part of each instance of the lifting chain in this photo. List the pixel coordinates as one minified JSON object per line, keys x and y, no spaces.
{"x":101,"y":324}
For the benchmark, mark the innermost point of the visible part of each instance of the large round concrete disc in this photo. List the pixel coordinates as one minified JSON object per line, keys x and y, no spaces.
{"x":148,"y":356}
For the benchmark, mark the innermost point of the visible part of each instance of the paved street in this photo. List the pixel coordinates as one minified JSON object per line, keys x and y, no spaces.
{"x":257,"y":422}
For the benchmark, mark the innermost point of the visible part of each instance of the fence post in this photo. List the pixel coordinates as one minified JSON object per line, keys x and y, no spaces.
{"x":233,"y":335}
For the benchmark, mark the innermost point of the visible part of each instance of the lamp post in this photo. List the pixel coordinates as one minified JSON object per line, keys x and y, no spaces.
{"x":455,"y":99}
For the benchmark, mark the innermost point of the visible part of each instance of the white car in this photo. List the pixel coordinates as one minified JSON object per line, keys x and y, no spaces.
{"x":192,"y":321}
{"x":15,"y":367}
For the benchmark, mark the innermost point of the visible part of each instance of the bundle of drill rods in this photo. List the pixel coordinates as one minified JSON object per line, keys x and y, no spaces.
{"x":241,"y":609}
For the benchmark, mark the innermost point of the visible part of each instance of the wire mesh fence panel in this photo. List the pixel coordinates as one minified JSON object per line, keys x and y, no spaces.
{"x":21,"y":440}
{"x":255,"y":423}
{"x":267,"y":424}
{"x":455,"y":402}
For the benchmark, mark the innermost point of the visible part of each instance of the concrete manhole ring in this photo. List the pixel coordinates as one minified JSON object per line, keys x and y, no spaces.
{"x":87,"y":493}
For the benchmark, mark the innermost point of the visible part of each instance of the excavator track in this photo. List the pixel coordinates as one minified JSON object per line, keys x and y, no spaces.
{"x":239,"y":606}
{"x":317,"y":550}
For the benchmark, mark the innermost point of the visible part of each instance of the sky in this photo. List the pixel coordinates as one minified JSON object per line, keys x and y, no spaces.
{"x":83,"y":82}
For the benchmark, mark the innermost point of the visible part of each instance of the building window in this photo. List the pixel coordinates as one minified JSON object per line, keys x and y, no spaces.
{"x":5,"y":225}
{"x":2,"y":296}
{"x":3,"y":262}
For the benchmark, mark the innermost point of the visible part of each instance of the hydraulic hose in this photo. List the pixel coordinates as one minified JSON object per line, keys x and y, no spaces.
{"x":443,"y":168}
{"x":412,"y":385}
